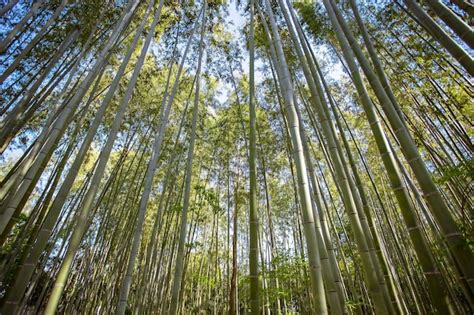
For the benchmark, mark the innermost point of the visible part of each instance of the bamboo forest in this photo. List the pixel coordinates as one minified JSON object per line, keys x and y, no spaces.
{"x":236,"y":157}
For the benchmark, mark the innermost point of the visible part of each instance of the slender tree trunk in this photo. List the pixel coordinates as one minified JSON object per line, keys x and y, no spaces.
{"x":435,"y":280}
{"x":7,"y":7}
{"x":464,"y":31}
{"x":13,"y":118}
{"x":27,"y":269}
{"x":33,"y":42}
{"x":233,"y":306}
{"x":82,"y":226}
{"x":253,"y":213}
{"x":151,"y":168}
{"x":178,"y":274}
{"x":20,"y":26}
{"x":441,"y":36}
{"x":450,"y":231}
{"x":298,"y":156}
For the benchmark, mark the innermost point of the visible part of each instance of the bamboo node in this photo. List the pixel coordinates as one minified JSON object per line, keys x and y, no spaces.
{"x":414,"y":159}
{"x":452,"y":234}
{"x":411,"y":228}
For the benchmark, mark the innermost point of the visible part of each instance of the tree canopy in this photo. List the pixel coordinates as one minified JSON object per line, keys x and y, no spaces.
{"x":232,"y":157}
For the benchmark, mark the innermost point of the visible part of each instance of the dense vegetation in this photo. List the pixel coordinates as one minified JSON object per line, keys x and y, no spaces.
{"x":212,"y":157}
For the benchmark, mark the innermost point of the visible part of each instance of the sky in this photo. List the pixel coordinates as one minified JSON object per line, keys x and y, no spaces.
{"x":236,"y":22}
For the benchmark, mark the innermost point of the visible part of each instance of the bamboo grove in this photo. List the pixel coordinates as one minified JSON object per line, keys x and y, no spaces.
{"x":213,"y":157}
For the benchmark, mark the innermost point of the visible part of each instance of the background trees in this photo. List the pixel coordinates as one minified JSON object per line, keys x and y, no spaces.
{"x":276,"y":157}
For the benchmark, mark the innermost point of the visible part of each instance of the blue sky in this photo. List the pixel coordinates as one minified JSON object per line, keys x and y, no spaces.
{"x":236,"y":23}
